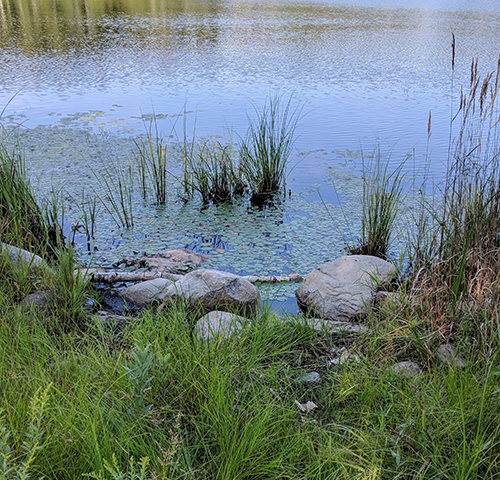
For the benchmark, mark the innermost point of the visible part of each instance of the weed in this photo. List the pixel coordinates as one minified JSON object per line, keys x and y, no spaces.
{"x":19,"y":467}
{"x":139,"y":376}
{"x":135,"y":471}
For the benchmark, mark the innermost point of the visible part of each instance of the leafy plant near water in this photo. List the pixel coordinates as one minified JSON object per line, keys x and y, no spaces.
{"x":267,"y":147}
{"x":139,"y":376}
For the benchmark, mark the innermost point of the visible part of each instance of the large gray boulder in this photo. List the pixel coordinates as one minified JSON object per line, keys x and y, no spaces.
{"x":219,"y":325}
{"x":345,"y":288}
{"x":210,"y":290}
{"x":143,"y":293}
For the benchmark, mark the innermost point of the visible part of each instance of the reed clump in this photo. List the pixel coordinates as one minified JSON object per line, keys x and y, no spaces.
{"x":216,"y":174}
{"x":152,"y":157}
{"x":220,"y":172}
{"x":460,"y":271}
{"x":382,"y":197}
{"x":267,"y":146}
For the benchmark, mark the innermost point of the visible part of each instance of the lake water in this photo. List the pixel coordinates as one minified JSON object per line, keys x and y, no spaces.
{"x":81,"y":77}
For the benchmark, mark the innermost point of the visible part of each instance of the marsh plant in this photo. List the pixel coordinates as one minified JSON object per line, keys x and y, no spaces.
{"x":22,"y":221}
{"x":152,"y":164}
{"x":117,"y":195}
{"x":89,"y":214}
{"x":265,"y":150}
{"x":465,"y":265}
{"x":382,"y":197}
{"x":216,"y":174}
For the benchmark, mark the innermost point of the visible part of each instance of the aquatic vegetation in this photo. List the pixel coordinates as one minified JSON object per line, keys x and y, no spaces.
{"x":118,"y":197}
{"x":382,"y":198}
{"x":22,"y":221}
{"x":267,"y":147}
{"x":152,"y":163}
{"x":216,"y":174}
{"x":462,"y":266}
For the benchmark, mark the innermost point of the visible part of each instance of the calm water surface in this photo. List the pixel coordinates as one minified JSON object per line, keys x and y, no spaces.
{"x":366,"y":72}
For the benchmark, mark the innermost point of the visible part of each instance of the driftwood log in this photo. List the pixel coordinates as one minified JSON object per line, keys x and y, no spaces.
{"x":115,"y":276}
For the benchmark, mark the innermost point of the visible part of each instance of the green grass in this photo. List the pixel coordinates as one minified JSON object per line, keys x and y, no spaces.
{"x":228,"y":410}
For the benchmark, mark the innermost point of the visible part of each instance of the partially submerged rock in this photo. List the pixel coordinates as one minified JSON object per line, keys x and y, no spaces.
{"x":219,"y":325}
{"x":177,"y":260}
{"x":144,"y":293}
{"x":345,"y":288}
{"x":210,"y":290}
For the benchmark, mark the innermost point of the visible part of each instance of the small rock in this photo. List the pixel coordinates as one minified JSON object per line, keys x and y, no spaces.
{"x":335,"y":327}
{"x":306,"y":407}
{"x":219,"y":325}
{"x":41,"y":299}
{"x":311,"y":379}
{"x":344,"y":357}
{"x":406,"y":369}
{"x":143,"y":293}
{"x":110,"y":317}
{"x":446,"y":353}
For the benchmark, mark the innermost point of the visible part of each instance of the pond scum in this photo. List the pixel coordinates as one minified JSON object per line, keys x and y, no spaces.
{"x":150,"y":401}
